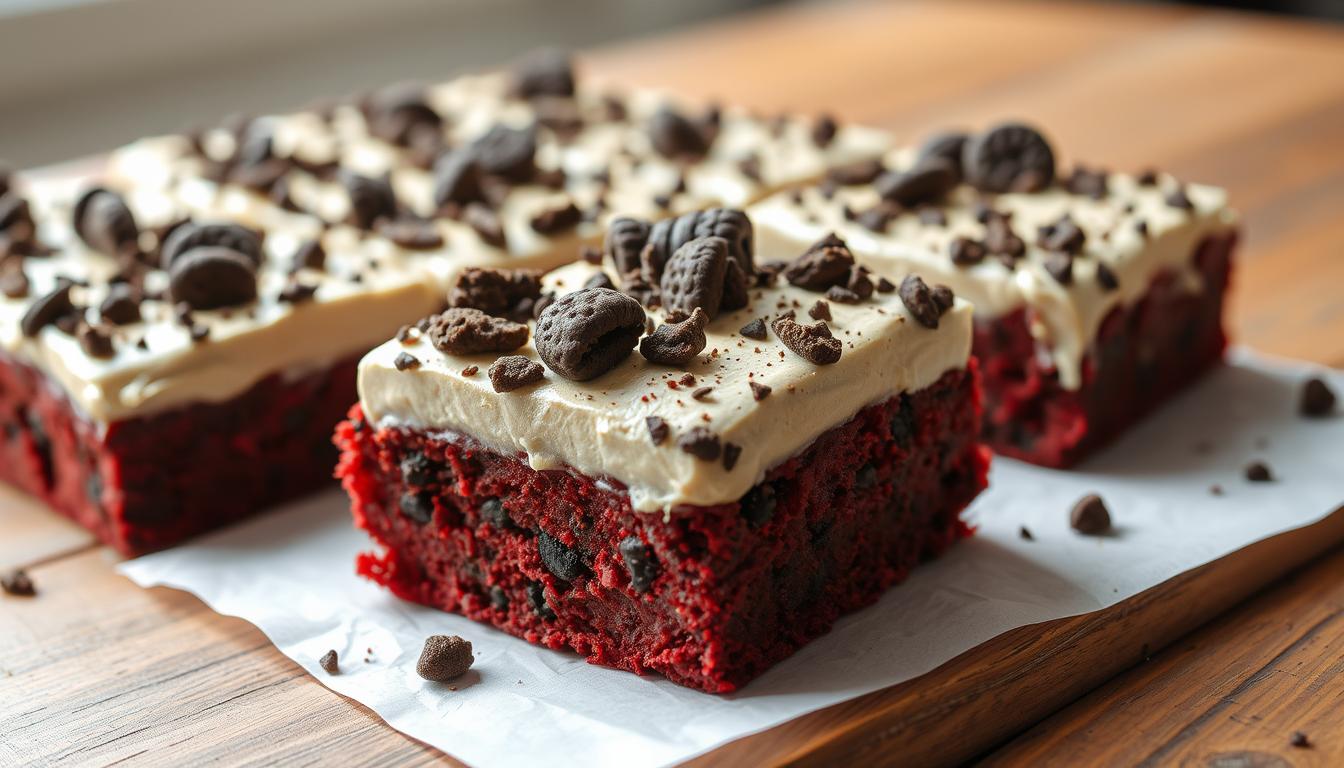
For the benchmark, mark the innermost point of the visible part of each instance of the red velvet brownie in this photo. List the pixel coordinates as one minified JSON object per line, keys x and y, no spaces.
{"x":771,"y":457}
{"x":176,"y":346}
{"x":1097,"y":295}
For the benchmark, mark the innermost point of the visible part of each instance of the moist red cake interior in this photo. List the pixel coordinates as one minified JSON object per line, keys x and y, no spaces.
{"x":709,"y":597}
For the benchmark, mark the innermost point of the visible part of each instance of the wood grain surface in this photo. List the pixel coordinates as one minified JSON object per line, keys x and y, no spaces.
{"x":97,"y":671}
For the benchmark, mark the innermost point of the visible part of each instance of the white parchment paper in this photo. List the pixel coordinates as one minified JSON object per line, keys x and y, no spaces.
{"x":291,"y":574}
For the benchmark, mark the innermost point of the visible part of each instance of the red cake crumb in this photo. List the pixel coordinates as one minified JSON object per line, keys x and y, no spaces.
{"x":1143,"y":354}
{"x":146,"y":483}
{"x":710,"y":597}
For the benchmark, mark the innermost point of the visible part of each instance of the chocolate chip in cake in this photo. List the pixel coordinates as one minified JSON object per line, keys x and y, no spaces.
{"x":759,"y":391}
{"x":486,"y":224}
{"x":926,"y":182}
{"x":47,"y":309}
{"x":624,"y":240}
{"x":856,"y":173}
{"x":947,"y":146}
{"x":758,"y":506}
{"x":405,"y":361}
{"x":96,"y":342}
{"x":121,"y":306}
{"x":813,"y":343}
{"x":966,"y":252}
{"x":1011,"y":157}
{"x":918,"y":299}
{"x":411,"y":233}
{"x":1259,"y":472}
{"x":507,"y":293}
{"x":416,"y":468}
{"x":676,"y":343}
{"x":695,"y":277}
{"x":17,"y":583}
{"x":1060,"y":267}
{"x":1088,"y":182}
{"x":444,"y":658}
{"x":702,"y":443}
{"x":212,"y":277}
{"x":105,"y":223}
{"x":658,"y":429}
{"x":586,"y":333}
{"x":1317,"y":398}
{"x":418,"y":507}
{"x":674,"y":135}
{"x":1106,"y":278}
{"x":514,"y":372}
{"x":562,"y":560}
{"x":509,"y":153}
{"x":330,"y":663}
{"x":825,"y":263}
{"x":465,"y":331}
{"x":545,"y":72}
{"x":370,"y":199}
{"x":553,"y":221}
{"x":754,"y":329}
{"x":1090,"y":516}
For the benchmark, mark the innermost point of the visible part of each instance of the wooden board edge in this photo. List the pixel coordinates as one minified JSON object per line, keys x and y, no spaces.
{"x":987,"y":695}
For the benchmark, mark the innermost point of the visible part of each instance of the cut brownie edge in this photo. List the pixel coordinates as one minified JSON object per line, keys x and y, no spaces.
{"x":1144,"y":353}
{"x":707,"y":596}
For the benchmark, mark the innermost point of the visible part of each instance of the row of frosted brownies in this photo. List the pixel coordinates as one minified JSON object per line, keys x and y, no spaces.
{"x":674,"y":387}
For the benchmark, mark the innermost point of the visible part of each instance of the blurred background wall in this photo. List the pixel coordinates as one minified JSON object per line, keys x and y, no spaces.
{"x":80,"y":76}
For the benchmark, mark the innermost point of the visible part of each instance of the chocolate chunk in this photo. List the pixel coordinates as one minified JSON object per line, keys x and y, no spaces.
{"x":105,"y":223}
{"x":824,"y":130}
{"x":95,"y":342}
{"x":485,"y":222}
{"x":330,"y":663}
{"x":658,"y":429}
{"x":943,"y":298}
{"x":15,"y":214}
{"x":1259,"y":472}
{"x":296,"y":292}
{"x":466,"y":331}
{"x":640,"y":561}
{"x":410,"y":233}
{"x":928,"y":181}
{"x":1106,"y":278}
{"x":553,"y":221}
{"x":702,"y":443}
{"x":514,"y":372}
{"x":546,"y":72}
{"x":310,"y":255}
{"x":624,"y":239}
{"x":754,"y":329}
{"x":1001,"y":240}
{"x":562,"y":560}
{"x":676,"y":343}
{"x":417,"y":507}
{"x":444,"y":657}
{"x":1090,"y":516}
{"x":1317,"y":398}
{"x":825,"y":263}
{"x":944,"y":146}
{"x":758,"y":506}
{"x":498,"y":292}
{"x":398,"y":113}
{"x":966,"y":252}
{"x":17,"y":583}
{"x":1088,"y":182}
{"x":813,"y":343}
{"x":820,"y":311}
{"x":457,"y":178}
{"x":1011,"y":157}
{"x":509,"y":153}
{"x":13,"y":280}
{"x":1064,"y":236}
{"x":188,"y":235}
{"x":731,"y":452}
{"x":406,"y":362}
{"x":1060,"y":267}
{"x":919,"y":300}
{"x":674,"y":135}
{"x":1177,"y":198}
{"x":853,"y":174}
{"x":841,"y":295}
{"x":759,"y":391}
{"x":370,"y":199}
{"x":695,"y":277}
{"x":212,"y":277}
{"x":586,"y":333}
{"x":47,"y":309}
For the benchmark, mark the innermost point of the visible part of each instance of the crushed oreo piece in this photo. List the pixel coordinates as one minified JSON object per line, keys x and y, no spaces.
{"x":943,"y":297}
{"x":819,"y":311}
{"x":884,"y":285}
{"x":1089,"y":516}
{"x":457,"y":178}
{"x":946,"y":146}
{"x":370,"y":199}
{"x":1317,"y":398}
{"x":330,"y":663}
{"x":926,"y":182}
{"x":47,"y":309}
{"x":1060,"y":267}
{"x":545,"y":72}
{"x":759,"y":391}
{"x":853,"y":174}
{"x":674,"y":135}
{"x":1088,"y":182}
{"x":1063,"y":236}
{"x":14,"y":282}
{"x":586,"y":333}
{"x":310,"y":255}
{"x":1177,"y":198}
{"x":507,"y":293}
{"x":512,"y":372}
{"x":658,"y":429}
{"x":563,"y":561}
{"x":466,"y":331}
{"x":702,"y":443}
{"x":966,"y":252}
{"x":1259,"y":472}
{"x":411,"y":233}
{"x":486,"y":224}
{"x":17,"y":583}
{"x":1300,"y":740}
{"x":553,"y":221}
{"x":1011,"y":157}
{"x":676,"y":343}
{"x":1001,"y":240}
{"x":640,"y":561}
{"x":444,"y":657}
{"x":919,"y":299}
{"x":825,"y":263}
{"x":295,"y":292}
{"x":509,"y":153}
{"x":1106,"y":278}
{"x":401,"y":115}
{"x":212,"y":277}
{"x":731,"y":453}
{"x":814,"y":343}
{"x":1024,"y":533}
{"x":824,"y":130}
{"x":405,"y":361}
{"x":96,"y":342}
{"x":842,"y":295}
{"x":754,"y":329}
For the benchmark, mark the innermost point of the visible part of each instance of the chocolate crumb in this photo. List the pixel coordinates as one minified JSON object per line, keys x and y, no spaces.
{"x":330,"y":663}
{"x":1216,"y":490}
{"x":406,"y":361}
{"x":731,"y":452}
{"x":1300,"y":740}
{"x":754,"y":329}
{"x":17,"y":583}
{"x":1106,"y":278}
{"x":676,"y":343}
{"x":1259,"y":472}
{"x":513,"y":372}
{"x":1090,"y":516}
{"x":813,"y":343}
{"x":471,"y":370}
{"x":759,"y":391}
{"x":1317,"y":398}
{"x":701,"y":393}
{"x":884,"y":285}
{"x":657,"y":429}
{"x":444,"y":657}
{"x":820,"y":311}
{"x":702,"y":443}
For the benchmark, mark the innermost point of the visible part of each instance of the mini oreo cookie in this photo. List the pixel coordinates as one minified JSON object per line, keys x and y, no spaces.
{"x":676,"y":343}
{"x":212,"y":277}
{"x":695,"y":276}
{"x":1011,"y":157}
{"x":190,"y":235}
{"x":465,"y":331}
{"x":584,"y":334}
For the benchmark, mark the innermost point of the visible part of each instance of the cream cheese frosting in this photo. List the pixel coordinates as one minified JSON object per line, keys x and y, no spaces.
{"x":1065,"y":318}
{"x":600,"y":428}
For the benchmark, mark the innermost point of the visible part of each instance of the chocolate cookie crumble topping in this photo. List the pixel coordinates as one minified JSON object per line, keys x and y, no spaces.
{"x":676,"y":343}
{"x":584,"y":334}
{"x":463,"y":331}
{"x":514,"y":372}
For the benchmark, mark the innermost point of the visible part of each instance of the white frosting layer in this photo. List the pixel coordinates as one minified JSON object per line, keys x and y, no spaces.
{"x":599,"y":427}
{"x":1064,"y":318}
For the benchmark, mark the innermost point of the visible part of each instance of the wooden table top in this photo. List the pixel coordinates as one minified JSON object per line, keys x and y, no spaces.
{"x":95,"y":670}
